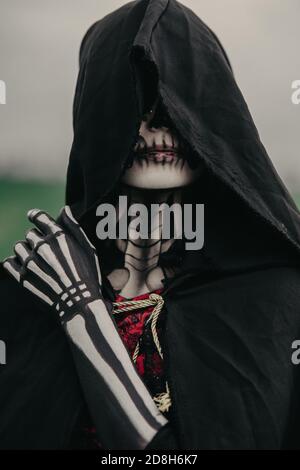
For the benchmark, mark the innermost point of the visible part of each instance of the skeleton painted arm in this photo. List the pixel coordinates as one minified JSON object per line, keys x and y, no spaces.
{"x":58,"y":264}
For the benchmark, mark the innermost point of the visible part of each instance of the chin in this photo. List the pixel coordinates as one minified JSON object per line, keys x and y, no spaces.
{"x":147,"y":174}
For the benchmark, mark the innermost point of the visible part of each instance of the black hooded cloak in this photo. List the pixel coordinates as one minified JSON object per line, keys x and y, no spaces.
{"x":234,"y":311}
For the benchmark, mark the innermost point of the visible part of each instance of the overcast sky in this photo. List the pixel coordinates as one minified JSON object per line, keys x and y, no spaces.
{"x":39,"y":43}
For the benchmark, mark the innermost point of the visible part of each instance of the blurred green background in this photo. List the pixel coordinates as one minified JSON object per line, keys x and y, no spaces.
{"x":17,"y":197}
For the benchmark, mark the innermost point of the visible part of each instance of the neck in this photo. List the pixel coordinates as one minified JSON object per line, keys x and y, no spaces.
{"x":142,"y":272}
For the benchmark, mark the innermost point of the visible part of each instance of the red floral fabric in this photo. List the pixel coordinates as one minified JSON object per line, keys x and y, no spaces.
{"x":131,"y":327}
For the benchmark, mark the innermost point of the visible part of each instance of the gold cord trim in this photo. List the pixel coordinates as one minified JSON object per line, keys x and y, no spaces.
{"x":162,"y":400}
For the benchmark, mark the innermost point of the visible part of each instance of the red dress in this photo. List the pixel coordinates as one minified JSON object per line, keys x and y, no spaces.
{"x":131,"y":327}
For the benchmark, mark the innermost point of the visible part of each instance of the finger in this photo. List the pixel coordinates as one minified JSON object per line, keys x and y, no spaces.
{"x":22,"y":251}
{"x":43,"y":249}
{"x":67,"y":219}
{"x":38,"y":292}
{"x":47,"y":254}
{"x":37,"y":242}
{"x":13,"y":267}
{"x":64,"y":247}
{"x":43,"y":221}
{"x":36,"y":269}
{"x":34,"y":237}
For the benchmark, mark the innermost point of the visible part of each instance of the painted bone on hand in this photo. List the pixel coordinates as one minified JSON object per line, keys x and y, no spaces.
{"x":58,"y":264}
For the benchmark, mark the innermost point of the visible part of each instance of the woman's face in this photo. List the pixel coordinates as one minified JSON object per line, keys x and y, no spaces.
{"x":159,"y":161}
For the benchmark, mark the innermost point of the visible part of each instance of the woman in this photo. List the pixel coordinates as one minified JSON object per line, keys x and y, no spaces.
{"x":207,"y":364}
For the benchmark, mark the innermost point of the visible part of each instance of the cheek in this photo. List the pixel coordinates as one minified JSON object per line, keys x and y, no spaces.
{"x":146,"y":174}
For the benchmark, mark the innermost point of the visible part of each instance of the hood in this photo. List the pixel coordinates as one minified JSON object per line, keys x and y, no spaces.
{"x":184,"y":61}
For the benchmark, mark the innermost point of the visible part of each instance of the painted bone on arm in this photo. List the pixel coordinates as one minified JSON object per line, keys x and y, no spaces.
{"x":58,"y":264}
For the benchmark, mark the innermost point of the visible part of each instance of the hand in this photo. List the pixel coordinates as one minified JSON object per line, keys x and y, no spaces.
{"x":57,"y":263}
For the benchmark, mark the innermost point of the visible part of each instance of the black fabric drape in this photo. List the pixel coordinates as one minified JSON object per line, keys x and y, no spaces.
{"x":233,"y":312}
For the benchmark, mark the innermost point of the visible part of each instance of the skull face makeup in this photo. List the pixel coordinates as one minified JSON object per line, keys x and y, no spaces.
{"x":160,"y":165}
{"x":159,"y":157}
